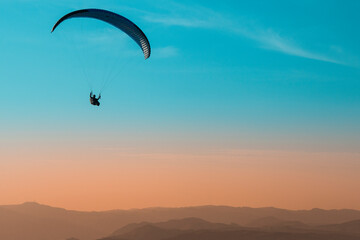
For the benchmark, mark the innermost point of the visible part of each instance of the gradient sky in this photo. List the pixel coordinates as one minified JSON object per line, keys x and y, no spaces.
{"x":243,"y":103}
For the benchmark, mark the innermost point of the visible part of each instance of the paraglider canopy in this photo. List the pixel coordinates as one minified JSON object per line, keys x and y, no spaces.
{"x":117,"y":21}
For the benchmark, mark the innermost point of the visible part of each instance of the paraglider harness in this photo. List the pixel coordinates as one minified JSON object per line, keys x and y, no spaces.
{"x":93,"y":100}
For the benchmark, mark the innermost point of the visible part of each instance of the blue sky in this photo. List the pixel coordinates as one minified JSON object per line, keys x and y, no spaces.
{"x":223,"y":74}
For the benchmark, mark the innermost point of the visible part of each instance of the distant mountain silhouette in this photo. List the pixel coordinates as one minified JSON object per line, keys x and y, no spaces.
{"x":40,"y":222}
{"x":257,"y":235}
{"x":16,"y":226}
{"x":352,"y":227}
{"x":175,"y":230}
{"x":180,"y":224}
{"x":147,"y":232}
{"x":244,"y":215}
{"x":273,"y":222}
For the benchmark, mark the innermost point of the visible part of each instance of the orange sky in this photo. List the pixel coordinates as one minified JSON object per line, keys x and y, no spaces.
{"x":194,"y":124}
{"x":112,"y":178}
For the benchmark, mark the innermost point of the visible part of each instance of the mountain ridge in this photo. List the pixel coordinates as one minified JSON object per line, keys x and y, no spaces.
{"x":174,"y":230}
{"x":82,"y":224}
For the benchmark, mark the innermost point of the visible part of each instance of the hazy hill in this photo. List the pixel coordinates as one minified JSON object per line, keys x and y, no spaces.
{"x":180,"y":224}
{"x":258,"y":235}
{"x":38,"y":222}
{"x":174,"y":230}
{"x":147,"y":232}
{"x":244,"y":215}
{"x":16,"y":226}
{"x":222,"y":214}
{"x":352,"y":227}
{"x":275,"y":223}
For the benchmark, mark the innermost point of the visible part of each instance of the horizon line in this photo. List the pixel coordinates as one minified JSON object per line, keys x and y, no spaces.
{"x":190,"y":206}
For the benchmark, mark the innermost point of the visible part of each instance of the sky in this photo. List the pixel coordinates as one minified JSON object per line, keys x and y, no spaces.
{"x":242,"y":103}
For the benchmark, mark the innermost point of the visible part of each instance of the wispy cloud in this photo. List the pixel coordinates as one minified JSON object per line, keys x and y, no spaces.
{"x":268,"y":39}
{"x":175,"y":21}
{"x":200,"y":17}
{"x":186,"y":16}
{"x":165,"y":52}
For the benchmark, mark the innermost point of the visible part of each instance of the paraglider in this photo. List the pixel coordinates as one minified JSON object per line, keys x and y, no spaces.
{"x":116,"y":20}
{"x":93,"y":100}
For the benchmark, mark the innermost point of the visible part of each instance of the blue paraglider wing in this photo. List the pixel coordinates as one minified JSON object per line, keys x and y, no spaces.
{"x":117,"y":21}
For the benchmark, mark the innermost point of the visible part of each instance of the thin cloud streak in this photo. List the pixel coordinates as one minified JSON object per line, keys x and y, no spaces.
{"x":176,"y":21}
{"x":165,"y":52}
{"x":273,"y":41}
{"x":201,"y":17}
